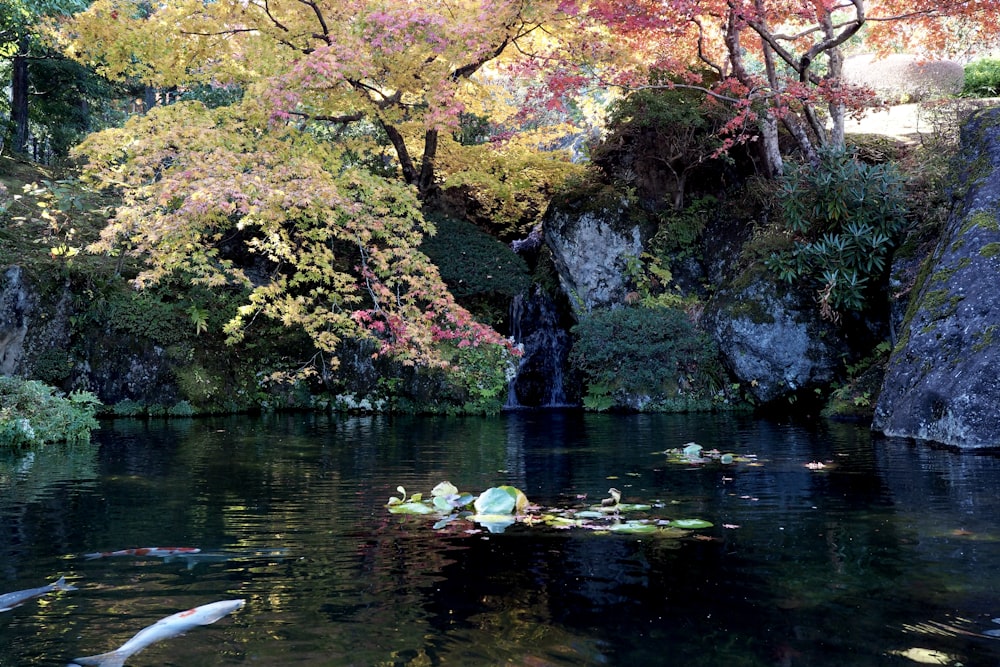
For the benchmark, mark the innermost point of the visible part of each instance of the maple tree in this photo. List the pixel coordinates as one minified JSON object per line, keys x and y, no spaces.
{"x":780,"y":61}
{"x":329,"y":98}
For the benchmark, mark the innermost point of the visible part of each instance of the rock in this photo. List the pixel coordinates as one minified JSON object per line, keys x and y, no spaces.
{"x":772,"y":341}
{"x":899,"y":78}
{"x":15,"y":313}
{"x":942,"y":383}
{"x":591,"y":250}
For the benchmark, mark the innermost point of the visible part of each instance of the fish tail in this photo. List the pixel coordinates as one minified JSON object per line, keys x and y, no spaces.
{"x":61,"y":585}
{"x":110,"y":659}
{"x":93,"y":556}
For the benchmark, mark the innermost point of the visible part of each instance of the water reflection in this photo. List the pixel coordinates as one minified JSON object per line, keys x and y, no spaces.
{"x":886,"y":553}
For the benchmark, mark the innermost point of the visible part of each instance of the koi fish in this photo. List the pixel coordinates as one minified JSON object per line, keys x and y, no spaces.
{"x":171,"y":626}
{"x":208,"y":557}
{"x":156,"y":552}
{"x":10,"y":600}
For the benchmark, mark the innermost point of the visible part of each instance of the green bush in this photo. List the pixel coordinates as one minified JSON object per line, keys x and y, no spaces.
{"x":483,"y":273}
{"x":33,"y":413}
{"x":842,"y":218}
{"x":982,"y":78}
{"x":652,"y":354}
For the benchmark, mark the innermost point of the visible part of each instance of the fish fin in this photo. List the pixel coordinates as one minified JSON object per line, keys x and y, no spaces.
{"x":93,"y":556}
{"x":61,"y":585}
{"x":109,"y":659}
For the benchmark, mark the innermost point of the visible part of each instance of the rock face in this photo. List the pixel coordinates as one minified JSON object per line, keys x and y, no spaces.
{"x":772,"y":342}
{"x":942,"y":383}
{"x":591,"y":251}
{"x":36,"y":342}
{"x":15,"y":313}
{"x":901,"y":78}
{"x":542,"y":330}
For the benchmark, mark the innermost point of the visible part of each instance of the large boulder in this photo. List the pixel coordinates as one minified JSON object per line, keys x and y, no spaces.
{"x":942,"y":382}
{"x":901,"y":78}
{"x":773,"y":340}
{"x":592,"y":249}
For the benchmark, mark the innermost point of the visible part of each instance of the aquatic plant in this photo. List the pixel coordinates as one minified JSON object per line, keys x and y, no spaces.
{"x":499,"y":507}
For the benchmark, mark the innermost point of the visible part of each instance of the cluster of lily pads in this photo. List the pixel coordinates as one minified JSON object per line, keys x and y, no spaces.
{"x":499,"y":507}
{"x":692,"y":453}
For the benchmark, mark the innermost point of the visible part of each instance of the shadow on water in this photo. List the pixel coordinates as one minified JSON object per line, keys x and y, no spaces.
{"x":827,"y":548}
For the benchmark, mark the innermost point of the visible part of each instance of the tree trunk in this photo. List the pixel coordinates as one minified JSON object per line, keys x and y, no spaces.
{"x":19,"y":98}
{"x":773,"y":164}
{"x":425,"y":184}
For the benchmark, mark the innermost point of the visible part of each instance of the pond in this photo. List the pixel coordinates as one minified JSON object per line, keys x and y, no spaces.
{"x":827,"y":547}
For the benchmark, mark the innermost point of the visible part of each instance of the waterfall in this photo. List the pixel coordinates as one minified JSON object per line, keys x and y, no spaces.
{"x":537,"y":325}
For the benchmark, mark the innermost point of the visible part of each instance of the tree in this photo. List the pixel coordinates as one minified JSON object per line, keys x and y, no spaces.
{"x":402,"y":69}
{"x":780,"y":61}
{"x":19,"y":43}
{"x":291,"y":170}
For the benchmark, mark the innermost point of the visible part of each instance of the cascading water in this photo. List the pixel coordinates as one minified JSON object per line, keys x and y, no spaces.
{"x":537,"y":326}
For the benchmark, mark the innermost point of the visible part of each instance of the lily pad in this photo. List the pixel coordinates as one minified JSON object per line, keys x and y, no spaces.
{"x":691,"y":524}
{"x":411,"y":508}
{"x":633,"y":528}
{"x":444,"y":489}
{"x":495,"y":500}
{"x":634,"y":507}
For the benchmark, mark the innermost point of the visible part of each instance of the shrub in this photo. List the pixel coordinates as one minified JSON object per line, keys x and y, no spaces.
{"x":657,"y":139}
{"x":843,"y":217}
{"x":982,"y":78}
{"x":656,"y":353}
{"x":481,"y":272}
{"x":33,"y":413}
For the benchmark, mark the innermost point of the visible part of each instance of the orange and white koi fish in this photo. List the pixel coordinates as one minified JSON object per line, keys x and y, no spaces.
{"x":10,"y":600}
{"x":171,"y":626}
{"x":156,"y":552}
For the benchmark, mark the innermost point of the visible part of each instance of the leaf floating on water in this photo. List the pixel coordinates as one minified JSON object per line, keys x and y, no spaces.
{"x":634,"y":507}
{"x":496,"y":500}
{"x":634,"y":528}
{"x":691,"y":524}
{"x":444,"y":489}
{"x":692,"y":450}
{"x":925,"y":656}
{"x":411,"y":508}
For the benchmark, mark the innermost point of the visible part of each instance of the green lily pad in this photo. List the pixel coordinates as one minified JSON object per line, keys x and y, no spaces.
{"x":691,"y":524}
{"x":444,"y":489}
{"x":633,"y":528}
{"x":633,"y":507}
{"x":495,"y":500}
{"x":411,"y":508}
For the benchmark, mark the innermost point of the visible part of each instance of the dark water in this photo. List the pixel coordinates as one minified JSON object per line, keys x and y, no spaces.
{"x":888,"y":555}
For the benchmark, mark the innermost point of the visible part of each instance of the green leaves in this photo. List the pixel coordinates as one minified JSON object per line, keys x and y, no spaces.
{"x":845,"y":216}
{"x":497,"y":508}
{"x":32,"y":413}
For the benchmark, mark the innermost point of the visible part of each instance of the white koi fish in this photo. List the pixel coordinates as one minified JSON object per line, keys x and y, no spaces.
{"x":156,"y":552}
{"x":171,"y":626}
{"x":10,"y":600}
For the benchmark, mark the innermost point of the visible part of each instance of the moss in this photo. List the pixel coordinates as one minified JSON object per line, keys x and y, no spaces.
{"x":990,"y":250}
{"x":752,"y":310}
{"x":943,"y":275}
{"x":984,"y":338}
{"x":980,"y":219}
